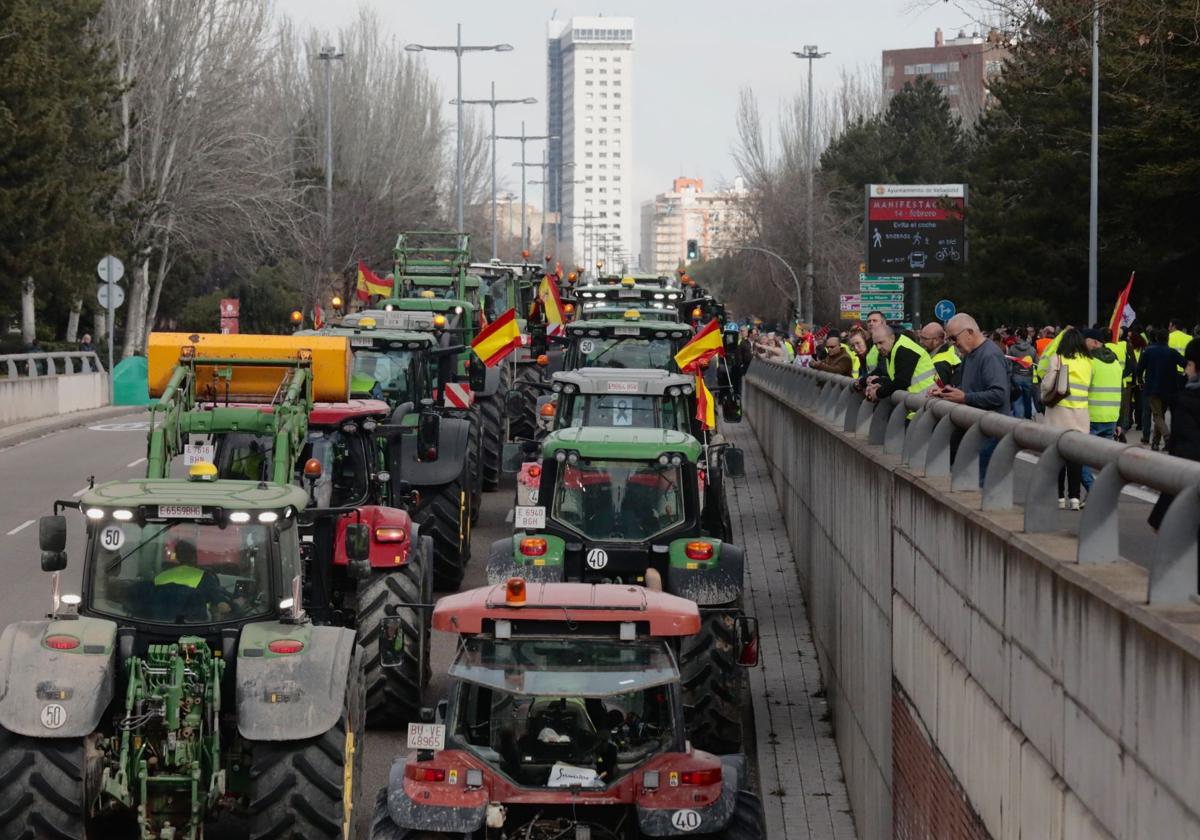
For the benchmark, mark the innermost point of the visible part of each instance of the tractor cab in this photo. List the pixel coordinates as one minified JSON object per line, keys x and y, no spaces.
{"x":612,"y":297}
{"x":631,"y":342}
{"x":565,"y":717}
{"x":387,"y":363}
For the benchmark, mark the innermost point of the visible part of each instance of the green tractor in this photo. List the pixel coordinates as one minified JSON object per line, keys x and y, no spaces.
{"x":628,"y":506}
{"x":185,"y":686}
{"x":627,"y":342}
{"x":246,"y":405}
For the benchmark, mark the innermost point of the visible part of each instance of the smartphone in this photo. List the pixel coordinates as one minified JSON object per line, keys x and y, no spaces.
{"x":937,"y":383}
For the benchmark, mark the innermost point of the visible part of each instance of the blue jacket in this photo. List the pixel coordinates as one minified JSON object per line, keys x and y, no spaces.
{"x":1158,"y":370}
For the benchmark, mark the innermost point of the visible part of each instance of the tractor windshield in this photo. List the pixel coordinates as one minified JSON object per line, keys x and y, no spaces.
{"x":565,"y":713}
{"x":344,"y":472}
{"x":180,"y":571}
{"x":381,"y":375}
{"x":629,"y":501}
{"x":636,"y":411}
{"x":624,"y":352}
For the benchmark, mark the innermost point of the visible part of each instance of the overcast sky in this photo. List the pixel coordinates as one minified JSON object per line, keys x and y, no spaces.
{"x":692,"y":57}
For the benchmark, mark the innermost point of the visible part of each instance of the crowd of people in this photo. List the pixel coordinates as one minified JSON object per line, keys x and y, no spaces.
{"x":1147,"y":381}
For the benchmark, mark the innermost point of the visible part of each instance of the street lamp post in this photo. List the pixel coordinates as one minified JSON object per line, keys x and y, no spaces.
{"x":545,"y":182}
{"x":810,"y":53}
{"x":1094,"y":201}
{"x":770,"y":253}
{"x":493,"y":102}
{"x":329,"y":55}
{"x":458,"y":48}
{"x":523,"y":137}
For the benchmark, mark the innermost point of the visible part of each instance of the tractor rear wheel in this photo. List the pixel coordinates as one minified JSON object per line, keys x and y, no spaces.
{"x":712,"y":682}
{"x":304,"y":790}
{"x":42,"y":788}
{"x":746,"y":823}
{"x":445,"y":515}
{"x":491,"y":410}
{"x":393,"y":695}
{"x":475,"y":462}
{"x":524,"y":425}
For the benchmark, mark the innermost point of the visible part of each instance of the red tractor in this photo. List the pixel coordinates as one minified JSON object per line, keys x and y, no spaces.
{"x":565,"y":719}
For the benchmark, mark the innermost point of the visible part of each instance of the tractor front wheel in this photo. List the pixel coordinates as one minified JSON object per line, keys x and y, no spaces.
{"x":306,"y":790}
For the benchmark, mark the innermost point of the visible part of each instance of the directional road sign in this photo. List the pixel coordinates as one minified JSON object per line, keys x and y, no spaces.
{"x":110,"y":263}
{"x":944,"y":310}
{"x":106,"y":289}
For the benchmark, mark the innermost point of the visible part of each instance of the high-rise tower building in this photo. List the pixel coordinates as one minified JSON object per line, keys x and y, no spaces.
{"x":590,"y":108}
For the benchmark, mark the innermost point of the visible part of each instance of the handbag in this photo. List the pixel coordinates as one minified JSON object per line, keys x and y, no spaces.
{"x":1056,"y":385}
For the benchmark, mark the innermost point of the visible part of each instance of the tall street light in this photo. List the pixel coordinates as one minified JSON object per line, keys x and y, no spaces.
{"x":1094,"y":201}
{"x":458,"y":49}
{"x":759,"y":249}
{"x":493,"y":103}
{"x":524,"y":138}
{"x":810,"y":53}
{"x":329,"y":55}
{"x":544,"y":183}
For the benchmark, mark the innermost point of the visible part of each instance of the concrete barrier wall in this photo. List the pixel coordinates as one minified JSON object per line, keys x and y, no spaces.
{"x":31,"y":398}
{"x":1055,"y":703}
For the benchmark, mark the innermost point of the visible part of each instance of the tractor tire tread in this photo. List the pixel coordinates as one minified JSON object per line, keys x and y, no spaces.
{"x":37,"y":777}
{"x":712,"y":680}
{"x":393,"y":695}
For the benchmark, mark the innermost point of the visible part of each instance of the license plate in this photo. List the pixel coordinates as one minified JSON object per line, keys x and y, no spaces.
{"x":180,"y":511}
{"x":426,"y":736}
{"x":622,"y":387}
{"x":633,"y":331}
{"x":393,"y":320}
{"x":629,"y":293}
{"x":529,"y":516}
{"x":198,"y":453}
{"x":361,"y":342}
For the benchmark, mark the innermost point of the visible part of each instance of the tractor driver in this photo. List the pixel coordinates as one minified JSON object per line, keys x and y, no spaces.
{"x":186,"y":593}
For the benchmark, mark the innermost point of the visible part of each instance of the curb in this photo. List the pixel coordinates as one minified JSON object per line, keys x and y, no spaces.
{"x":29,"y":430}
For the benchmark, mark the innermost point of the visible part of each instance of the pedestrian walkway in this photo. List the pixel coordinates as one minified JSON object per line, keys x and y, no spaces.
{"x":800,"y":772}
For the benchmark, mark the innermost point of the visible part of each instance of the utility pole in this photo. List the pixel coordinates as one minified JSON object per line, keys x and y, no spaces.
{"x":805,"y":307}
{"x":458,"y":49}
{"x":329,"y":55}
{"x":1094,"y":203}
{"x":493,"y":102}
{"x":524,"y":138}
{"x":544,"y":183}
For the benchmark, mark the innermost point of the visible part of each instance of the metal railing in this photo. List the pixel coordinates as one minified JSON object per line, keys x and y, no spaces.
{"x":50,"y":364}
{"x":924,"y":445}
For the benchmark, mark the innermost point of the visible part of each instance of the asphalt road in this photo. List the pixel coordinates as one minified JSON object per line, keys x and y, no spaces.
{"x":35,"y":473}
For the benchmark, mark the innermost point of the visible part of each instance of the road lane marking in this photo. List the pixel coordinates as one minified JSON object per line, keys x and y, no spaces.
{"x":79,"y":493}
{"x":21,"y":527}
{"x":135,"y":463}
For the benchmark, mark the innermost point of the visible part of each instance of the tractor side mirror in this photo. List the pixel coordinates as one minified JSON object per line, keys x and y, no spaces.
{"x":735,"y":462}
{"x":391,"y":647}
{"x":52,"y":538}
{"x":749,"y":654}
{"x":731,"y":410}
{"x":476,"y":373}
{"x":512,"y":458}
{"x":429,"y":430}
{"x":514,"y":403}
{"x":442,"y":707}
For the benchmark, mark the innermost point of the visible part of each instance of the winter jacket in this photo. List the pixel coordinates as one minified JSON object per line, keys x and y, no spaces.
{"x":1184,"y":441}
{"x":838,"y":363}
{"x":1019,"y":350}
{"x":1158,"y":370}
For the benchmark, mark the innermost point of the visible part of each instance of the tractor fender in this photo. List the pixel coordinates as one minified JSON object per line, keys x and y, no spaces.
{"x":291,"y":697}
{"x":415,"y":816}
{"x":721,"y":584}
{"x":384,"y":555}
{"x":47,"y":693}
{"x":658,"y":822}
{"x":502,"y":561}
{"x":454,"y":446}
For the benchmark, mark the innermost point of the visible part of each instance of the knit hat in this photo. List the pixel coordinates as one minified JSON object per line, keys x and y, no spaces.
{"x":1094,"y":334}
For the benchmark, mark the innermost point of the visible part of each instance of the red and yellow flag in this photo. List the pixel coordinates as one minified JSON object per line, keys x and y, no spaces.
{"x":551,"y":305}
{"x":706,"y":411}
{"x":1114,"y":323}
{"x":703,"y":346}
{"x":500,"y":338}
{"x":370,"y":283}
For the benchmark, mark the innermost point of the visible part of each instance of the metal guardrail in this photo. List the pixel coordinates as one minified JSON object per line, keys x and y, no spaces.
{"x":47,"y":364}
{"x":924,"y":444}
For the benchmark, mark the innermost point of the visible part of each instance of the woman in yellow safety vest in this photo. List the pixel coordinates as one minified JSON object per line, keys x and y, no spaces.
{"x":1071,"y":412}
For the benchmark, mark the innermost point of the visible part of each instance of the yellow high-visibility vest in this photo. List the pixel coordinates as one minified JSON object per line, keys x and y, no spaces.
{"x":1178,"y":340}
{"x":1104,"y":393}
{"x":924,"y":373}
{"x":1080,"y":371}
{"x":188,"y":576}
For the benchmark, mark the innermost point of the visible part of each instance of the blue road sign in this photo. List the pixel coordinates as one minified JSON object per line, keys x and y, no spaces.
{"x":944,"y":310}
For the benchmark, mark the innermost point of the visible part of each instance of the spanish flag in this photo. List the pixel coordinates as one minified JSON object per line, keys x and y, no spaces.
{"x":500,"y":338}
{"x":369,"y":283}
{"x":706,"y":411}
{"x":1114,"y":323}
{"x":551,"y":305}
{"x":703,"y":346}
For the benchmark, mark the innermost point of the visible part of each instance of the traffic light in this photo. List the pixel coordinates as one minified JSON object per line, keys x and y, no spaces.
{"x":693,"y":250}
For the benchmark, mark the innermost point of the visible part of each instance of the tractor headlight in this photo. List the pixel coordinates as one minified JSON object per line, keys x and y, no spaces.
{"x":560,"y":456}
{"x":676,"y":460}
{"x":573,"y":458}
{"x":94,"y":513}
{"x":664,"y":460}
{"x":556,"y":387}
{"x":673,"y":391}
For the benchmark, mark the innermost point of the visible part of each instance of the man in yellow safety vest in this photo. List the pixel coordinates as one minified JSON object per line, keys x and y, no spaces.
{"x":908,"y":367}
{"x":1104,"y":392}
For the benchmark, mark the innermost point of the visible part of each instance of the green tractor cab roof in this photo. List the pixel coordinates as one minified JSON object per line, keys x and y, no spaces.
{"x":621,"y":443}
{"x":598,"y":311}
{"x":645,"y":328}
{"x":379,"y":336}
{"x":180,"y":495}
{"x":637,"y":291}
{"x":649,"y":382}
{"x":419,"y":304}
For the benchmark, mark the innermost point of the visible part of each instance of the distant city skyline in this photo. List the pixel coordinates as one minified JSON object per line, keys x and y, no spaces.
{"x":685,"y":104}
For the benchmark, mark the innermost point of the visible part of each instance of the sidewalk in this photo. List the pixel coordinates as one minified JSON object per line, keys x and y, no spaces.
{"x":31,"y":429}
{"x":804,"y":795}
